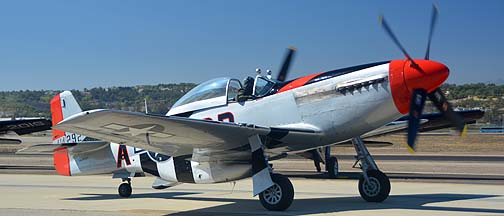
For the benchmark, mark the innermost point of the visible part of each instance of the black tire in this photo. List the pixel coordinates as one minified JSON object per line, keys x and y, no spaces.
{"x":278,"y":197}
{"x":332,"y":167}
{"x":369,"y":192}
{"x":125,"y":190}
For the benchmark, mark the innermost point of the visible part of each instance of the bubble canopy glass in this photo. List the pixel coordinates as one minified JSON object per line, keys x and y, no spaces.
{"x":207,"y":90}
{"x":216,"y":92}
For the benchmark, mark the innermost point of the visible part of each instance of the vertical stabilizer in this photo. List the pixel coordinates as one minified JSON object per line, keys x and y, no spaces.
{"x":64,"y":105}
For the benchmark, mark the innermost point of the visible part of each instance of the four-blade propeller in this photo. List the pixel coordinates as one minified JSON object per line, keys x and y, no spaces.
{"x":419,"y":95}
{"x":431,"y":29}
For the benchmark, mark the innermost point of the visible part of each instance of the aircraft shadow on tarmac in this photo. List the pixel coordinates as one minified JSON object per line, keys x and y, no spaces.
{"x":402,"y":176}
{"x":165,"y":195}
{"x":302,"y":206}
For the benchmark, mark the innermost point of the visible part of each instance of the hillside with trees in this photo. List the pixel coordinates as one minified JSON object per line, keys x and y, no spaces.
{"x":36,"y":103}
{"x":160,"y":98}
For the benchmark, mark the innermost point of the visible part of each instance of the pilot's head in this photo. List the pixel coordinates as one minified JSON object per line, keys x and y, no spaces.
{"x":248,"y":85}
{"x":248,"y":81}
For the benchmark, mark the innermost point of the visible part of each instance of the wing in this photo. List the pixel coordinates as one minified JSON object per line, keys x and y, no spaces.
{"x":170,"y":135}
{"x":392,"y":127}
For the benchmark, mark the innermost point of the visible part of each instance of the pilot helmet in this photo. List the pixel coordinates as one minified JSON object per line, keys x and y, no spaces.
{"x":248,"y":81}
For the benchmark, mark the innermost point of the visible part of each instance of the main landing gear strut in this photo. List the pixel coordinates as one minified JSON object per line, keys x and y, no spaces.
{"x":374,"y":185}
{"x":323,"y":155}
{"x":331,"y":163}
{"x":275,"y":191}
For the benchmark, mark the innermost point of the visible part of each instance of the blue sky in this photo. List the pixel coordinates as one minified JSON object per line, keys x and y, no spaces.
{"x":84,"y":44}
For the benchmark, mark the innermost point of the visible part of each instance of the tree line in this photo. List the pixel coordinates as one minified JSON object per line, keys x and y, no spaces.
{"x":35,"y":103}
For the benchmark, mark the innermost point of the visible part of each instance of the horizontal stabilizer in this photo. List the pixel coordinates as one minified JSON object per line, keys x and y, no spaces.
{"x":43,"y":149}
{"x":5,"y":141}
{"x":49,"y":148}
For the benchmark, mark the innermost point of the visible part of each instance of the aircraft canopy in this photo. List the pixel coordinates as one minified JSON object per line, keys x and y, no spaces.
{"x":218,"y":92}
{"x":212,"y":93}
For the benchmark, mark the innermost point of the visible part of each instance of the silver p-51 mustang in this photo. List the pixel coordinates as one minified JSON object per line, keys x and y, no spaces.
{"x":211,"y":136}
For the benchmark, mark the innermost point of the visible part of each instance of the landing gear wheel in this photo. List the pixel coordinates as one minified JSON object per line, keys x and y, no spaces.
{"x":279,"y":196}
{"x":376,"y":189}
{"x":125,"y":190}
{"x":332,"y":167}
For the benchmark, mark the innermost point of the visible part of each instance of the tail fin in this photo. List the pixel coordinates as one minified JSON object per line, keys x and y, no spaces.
{"x":64,"y":105}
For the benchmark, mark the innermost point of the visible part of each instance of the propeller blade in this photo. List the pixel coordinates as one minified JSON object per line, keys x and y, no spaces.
{"x":416,"y":107}
{"x":286,"y":64}
{"x":431,"y":30}
{"x":440,"y":101}
{"x":394,"y":38}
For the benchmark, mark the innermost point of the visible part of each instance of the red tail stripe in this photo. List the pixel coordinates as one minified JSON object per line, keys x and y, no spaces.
{"x":57,"y":116}
{"x":61,"y":161}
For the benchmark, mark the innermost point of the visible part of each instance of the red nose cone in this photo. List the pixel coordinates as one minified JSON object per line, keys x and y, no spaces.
{"x":428,"y":75}
{"x":405,"y":77}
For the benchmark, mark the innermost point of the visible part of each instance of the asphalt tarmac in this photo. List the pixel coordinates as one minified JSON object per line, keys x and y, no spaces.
{"x":421,"y":185}
{"x":24,"y":194}
{"x":426,"y":168}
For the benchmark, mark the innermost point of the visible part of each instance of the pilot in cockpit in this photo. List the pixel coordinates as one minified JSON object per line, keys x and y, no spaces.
{"x":245,"y":93}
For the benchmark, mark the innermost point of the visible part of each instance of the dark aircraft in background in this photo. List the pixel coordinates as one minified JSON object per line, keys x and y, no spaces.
{"x":428,"y":122}
{"x":436,"y":121}
{"x":22,"y":127}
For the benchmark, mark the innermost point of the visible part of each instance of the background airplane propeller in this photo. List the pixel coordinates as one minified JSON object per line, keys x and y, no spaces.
{"x":431,"y":30}
{"x":284,"y":70}
{"x":419,"y":96}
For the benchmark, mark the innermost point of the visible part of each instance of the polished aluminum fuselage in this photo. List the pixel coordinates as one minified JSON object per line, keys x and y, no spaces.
{"x":332,"y":111}
{"x":321,"y":107}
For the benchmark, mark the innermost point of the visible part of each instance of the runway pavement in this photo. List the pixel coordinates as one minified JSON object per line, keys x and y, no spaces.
{"x":97,"y":195}
{"x":473,"y":186}
{"x":426,"y":168}
{"x":421,"y":185}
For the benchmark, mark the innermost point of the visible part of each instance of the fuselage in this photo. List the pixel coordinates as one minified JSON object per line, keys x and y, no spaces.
{"x":338,"y":106}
